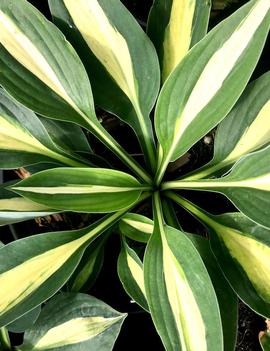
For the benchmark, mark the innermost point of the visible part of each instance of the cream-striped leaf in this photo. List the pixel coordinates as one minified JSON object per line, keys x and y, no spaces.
{"x":244,"y":130}
{"x":121,"y":61}
{"x":226,"y":297}
{"x":242,"y":250}
{"x":17,"y":209}
{"x":74,"y":322}
{"x":81,"y":189}
{"x":174,"y":27}
{"x":136,"y":227}
{"x":191,"y":105}
{"x":24,"y":140}
{"x":40,"y":69}
{"x":34,"y":268}
{"x":247,"y":186}
{"x":130,"y":272}
{"x":175,"y":277}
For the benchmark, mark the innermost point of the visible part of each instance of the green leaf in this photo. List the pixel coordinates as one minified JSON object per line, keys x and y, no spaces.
{"x":14,"y":208}
{"x":136,"y":227}
{"x":68,"y":135}
{"x":190,"y":105}
{"x":34,"y":268}
{"x":264,"y":338}
{"x":25,"y":141}
{"x":244,"y":130}
{"x":40,"y":69}
{"x":242,"y":250}
{"x":175,"y":26}
{"x":25,"y":322}
{"x":247,"y":186}
{"x":120,"y":59}
{"x":227,"y":299}
{"x":175,"y":278}
{"x":80,"y":189}
{"x":89,"y":268}
{"x":74,"y":322}
{"x":130,"y":272}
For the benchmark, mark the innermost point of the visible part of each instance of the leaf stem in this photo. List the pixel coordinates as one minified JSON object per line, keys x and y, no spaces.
{"x":189,"y":206}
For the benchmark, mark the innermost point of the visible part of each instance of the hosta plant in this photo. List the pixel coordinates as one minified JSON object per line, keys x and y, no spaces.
{"x":188,"y":283}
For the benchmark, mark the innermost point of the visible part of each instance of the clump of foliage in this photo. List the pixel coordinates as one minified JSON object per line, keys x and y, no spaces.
{"x":188,"y":283}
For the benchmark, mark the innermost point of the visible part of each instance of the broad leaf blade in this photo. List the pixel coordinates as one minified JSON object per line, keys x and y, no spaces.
{"x":227,"y":299}
{"x":209,"y":93}
{"x":53,"y":85}
{"x":245,"y":129}
{"x":25,"y":322}
{"x":175,"y":277}
{"x":15,"y":209}
{"x":24,"y":140}
{"x":242,"y":250}
{"x":81,"y":189}
{"x":120,"y":59}
{"x":175,"y":26}
{"x":72,"y":322}
{"x":130,"y":272}
{"x":34,"y":268}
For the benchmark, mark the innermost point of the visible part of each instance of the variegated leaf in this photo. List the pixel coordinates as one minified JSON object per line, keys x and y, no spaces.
{"x":242,"y":250}
{"x":130,"y":272}
{"x":121,"y":61}
{"x":247,"y":186}
{"x":244,"y":130}
{"x":136,"y":227}
{"x":14,"y":208}
{"x":174,"y":27}
{"x":34,"y":268}
{"x":189,"y":106}
{"x":81,"y":189}
{"x":40,"y":69}
{"x":227,"y":299}
{"x":24,"y":140}
{"x":175,"y":277}
{"x":74,"y":322}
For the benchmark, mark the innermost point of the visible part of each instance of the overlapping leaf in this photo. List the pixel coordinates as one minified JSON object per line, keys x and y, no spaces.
{"x":119,"y":56}
{"x":81,"y":189}
{"x":242,"y":250}
{"x":136,"y":227}
{"x":72,"y":322}
{"x":247,"y":185}
{"x":174,"y":27}
{"x":244,"y":130}
{"x":14,"y":208}
{"x":40,"y":69}
{"x":226,"y":297}
{"x":24,"y":140}
{"x":130,"y":271}
{"x":175,"y":277}
{"x":190,"y":105}
{"x":34,"y":268}
{"x":88,"y":269}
